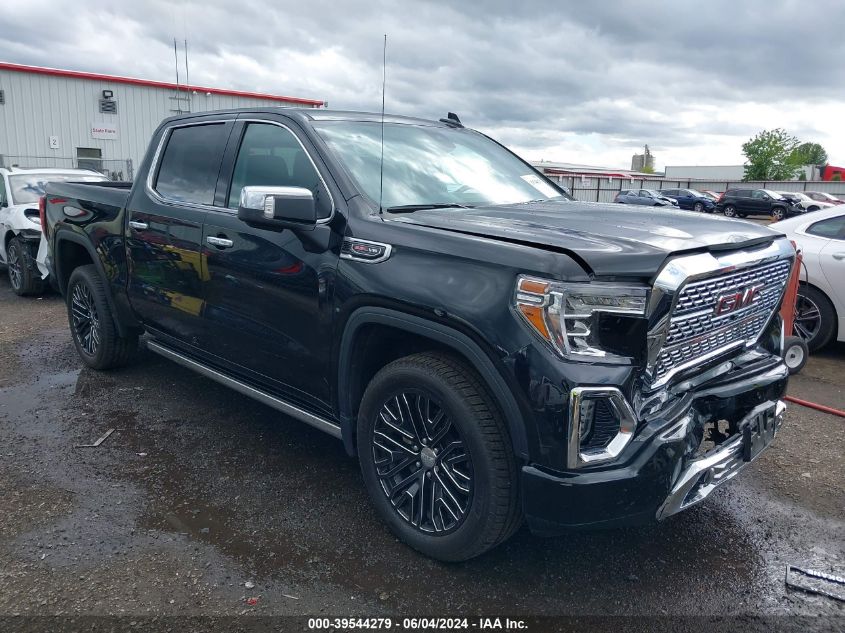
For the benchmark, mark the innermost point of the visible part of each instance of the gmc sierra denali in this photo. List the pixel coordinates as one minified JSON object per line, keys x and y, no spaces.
{"x":491,"y":350}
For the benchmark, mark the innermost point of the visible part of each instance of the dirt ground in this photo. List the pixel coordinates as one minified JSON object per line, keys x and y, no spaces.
{"x":203,"y":499}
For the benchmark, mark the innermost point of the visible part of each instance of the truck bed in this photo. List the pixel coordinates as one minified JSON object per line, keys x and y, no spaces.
{"x":110,"y":193}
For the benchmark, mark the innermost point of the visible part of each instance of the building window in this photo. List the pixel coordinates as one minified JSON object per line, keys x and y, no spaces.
{"x":89,"y":158}
{"x":2,"y":97}
{"x":108,"y":106}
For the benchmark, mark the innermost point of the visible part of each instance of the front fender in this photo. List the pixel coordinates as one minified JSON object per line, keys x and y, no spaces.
{"x":444,"y":335}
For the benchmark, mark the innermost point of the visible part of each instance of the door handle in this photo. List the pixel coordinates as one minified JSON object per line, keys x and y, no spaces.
{"x":839,"y":256}
{"x":138,"y":226}
{"x":220,"y":242}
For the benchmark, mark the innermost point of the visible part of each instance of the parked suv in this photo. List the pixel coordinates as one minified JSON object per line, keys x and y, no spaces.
{"x":644,"y":197}
{"x":745,"y":202}
{"x":488,"y":349}
{"x":690,"y":199}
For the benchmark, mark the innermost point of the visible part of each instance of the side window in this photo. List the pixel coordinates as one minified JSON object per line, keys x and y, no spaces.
{"x":272,"y":156}
{"x":2,"y":191}
{"x":743,"y":193}
{"x":832,"y":228}
{"x":190,"y":163}
{"x":757,"y":194}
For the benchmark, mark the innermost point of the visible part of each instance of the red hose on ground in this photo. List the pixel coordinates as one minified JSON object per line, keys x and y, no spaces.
{"x":813,"y":405}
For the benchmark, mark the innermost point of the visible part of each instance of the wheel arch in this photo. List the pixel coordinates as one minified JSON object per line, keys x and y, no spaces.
{"x":71,"y":252}
{"x":440,"y":337}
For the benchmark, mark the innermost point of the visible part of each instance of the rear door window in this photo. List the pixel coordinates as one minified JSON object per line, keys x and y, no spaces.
{"x":190,"y":164}
{"x":832,"y":228}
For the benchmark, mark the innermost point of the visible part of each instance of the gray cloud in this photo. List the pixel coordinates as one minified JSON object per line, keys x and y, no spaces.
{"x":619,"y":73}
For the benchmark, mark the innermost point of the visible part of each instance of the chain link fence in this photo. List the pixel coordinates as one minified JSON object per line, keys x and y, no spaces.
{"x":113,"y":169}
{"x":604,"y":188}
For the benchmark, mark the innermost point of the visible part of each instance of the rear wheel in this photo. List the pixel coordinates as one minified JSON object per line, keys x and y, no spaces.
{"x":437,"y":459}
{"x":92,"y":324}
{"x":815,"y":317}
{"x":20,"y":265}
{"x":778,"y":214}
{"x":730,"y":211}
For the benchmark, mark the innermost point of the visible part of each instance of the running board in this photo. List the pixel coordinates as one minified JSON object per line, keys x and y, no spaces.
{"x":262,"y":396}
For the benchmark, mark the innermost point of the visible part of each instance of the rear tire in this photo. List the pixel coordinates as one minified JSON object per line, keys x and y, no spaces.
{"x":92,"y":325}
{"x":457,"y":494}
{"x":21,"y":268}
{"x":730,"y":211}
{"x":815,"y":317}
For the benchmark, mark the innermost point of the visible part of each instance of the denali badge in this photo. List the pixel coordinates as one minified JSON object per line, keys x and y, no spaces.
{"x":736,"y":301}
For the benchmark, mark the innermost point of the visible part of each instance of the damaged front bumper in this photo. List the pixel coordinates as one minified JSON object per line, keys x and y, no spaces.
{"x":668,"y":466}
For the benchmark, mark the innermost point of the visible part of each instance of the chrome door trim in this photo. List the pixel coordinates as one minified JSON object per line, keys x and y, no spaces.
{"x":153,"y":170}
{"x":287,"y":408}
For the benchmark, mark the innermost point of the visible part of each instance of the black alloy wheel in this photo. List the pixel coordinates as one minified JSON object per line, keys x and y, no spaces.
{"x":437,"y":458}
{"x":422,"y":463}
{"x":92,"y":324}
{"x":84,"y":319}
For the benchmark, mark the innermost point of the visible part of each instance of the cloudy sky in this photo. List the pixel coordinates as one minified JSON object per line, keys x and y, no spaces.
{"x":583,"y":82}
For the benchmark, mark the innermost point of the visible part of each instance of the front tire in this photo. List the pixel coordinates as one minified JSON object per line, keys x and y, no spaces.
{"x":437,"y":459}
{"x":699,"y":207}
{"x":730,"y":211}
{"x":21,"y":268}
{"x":778,"y":214}
{"x":92,"y":324}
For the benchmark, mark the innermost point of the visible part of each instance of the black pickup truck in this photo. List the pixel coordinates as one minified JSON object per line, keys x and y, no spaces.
{"x":492,"y":351}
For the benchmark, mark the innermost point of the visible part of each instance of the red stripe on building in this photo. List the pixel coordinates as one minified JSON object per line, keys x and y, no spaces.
{"x":74,"y":74}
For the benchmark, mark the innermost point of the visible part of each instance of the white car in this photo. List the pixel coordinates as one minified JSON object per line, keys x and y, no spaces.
{"x":804,"y":201}
{"x":20,"y":224}
{"x":820,"y":316}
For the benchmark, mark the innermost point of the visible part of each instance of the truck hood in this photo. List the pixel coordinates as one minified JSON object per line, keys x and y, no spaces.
{"x":607,"y":239}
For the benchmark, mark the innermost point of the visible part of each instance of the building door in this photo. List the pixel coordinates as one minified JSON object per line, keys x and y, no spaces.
{"x":89,"y":158}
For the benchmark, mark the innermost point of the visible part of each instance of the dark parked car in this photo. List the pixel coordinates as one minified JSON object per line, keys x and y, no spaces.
{"x":690,"y":199}
{"x":745,"y":202}
{"x":491,"y":352}
{"x":645,"y":197}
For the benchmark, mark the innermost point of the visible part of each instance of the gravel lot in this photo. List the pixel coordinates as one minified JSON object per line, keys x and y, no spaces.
{"x":203,"y":499}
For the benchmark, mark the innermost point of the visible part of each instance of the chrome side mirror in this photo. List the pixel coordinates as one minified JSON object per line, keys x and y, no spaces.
{"x":284,"y":207}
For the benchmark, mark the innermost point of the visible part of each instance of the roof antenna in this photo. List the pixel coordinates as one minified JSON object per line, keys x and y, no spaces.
{"x":381,"y":163}
{"x":176,"y":59}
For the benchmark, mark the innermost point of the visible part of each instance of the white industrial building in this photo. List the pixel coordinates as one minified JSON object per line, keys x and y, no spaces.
{"x":63,"y":118}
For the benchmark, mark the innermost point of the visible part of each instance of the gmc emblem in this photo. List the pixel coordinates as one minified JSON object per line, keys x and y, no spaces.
{"x":737,"y":301}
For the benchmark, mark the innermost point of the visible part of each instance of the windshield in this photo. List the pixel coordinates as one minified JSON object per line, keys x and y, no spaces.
{"x":773,"y":194}
{"x":697,"y":194}
{"x":27,"y":188}
{"x":428,"y":166}
{"x":653,"y":193}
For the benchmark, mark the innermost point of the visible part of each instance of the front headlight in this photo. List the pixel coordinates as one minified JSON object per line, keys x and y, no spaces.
{"x":595,"y":321}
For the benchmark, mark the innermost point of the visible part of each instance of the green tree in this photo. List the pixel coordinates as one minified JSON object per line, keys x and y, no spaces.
{"x":837,"y":177}
{"x":647,"y":169}
{"x":770,"y":156}
{"x":809,"y":154}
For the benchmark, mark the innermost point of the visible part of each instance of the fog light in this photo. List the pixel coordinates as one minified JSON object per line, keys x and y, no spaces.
{"x":601,"y":424}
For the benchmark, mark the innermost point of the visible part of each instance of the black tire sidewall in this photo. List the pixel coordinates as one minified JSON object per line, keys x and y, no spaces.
{"x":827,"y":327}
{"x":730,"y":211}
{"x":778,"y":214}
{"x":87,"y":275}
{"x":385,"y":385}
{"x":30,"y":282}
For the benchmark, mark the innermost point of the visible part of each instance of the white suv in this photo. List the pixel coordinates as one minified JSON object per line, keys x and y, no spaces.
{"x":20,"y":224}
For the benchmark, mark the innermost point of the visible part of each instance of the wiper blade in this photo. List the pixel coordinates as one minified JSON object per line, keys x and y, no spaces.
{"x":410,"y":208}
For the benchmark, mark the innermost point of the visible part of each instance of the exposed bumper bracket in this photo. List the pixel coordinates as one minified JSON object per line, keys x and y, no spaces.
{"x":702,"y":476}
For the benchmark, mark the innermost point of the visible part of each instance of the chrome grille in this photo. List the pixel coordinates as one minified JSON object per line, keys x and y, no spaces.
{"x":694,"y":328}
